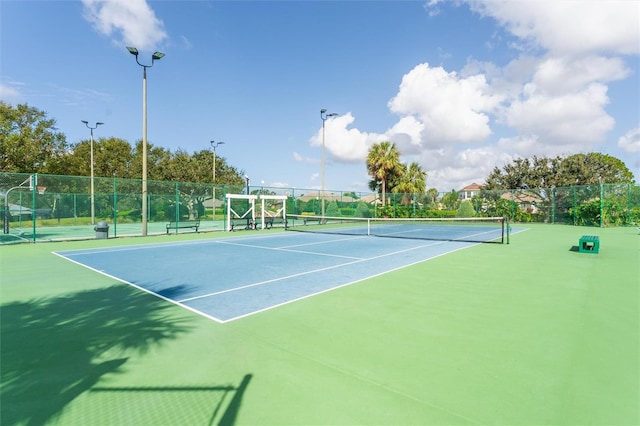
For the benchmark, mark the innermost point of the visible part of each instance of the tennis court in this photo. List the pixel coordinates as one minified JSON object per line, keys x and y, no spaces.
{"x":532,"y":332}
{"x":226,"y":279}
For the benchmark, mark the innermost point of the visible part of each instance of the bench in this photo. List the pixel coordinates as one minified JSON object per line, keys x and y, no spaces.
{"x":589,"y":244}
{"x":244,"y":223}
{"x":270,"y":221}
{"x":311,"y":218}
{"x":183,"y":224}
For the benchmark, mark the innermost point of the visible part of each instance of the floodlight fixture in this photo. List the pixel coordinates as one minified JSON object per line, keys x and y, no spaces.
{"x":156,"y":56}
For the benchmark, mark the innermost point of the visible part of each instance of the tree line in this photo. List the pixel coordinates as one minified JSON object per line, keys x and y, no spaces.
{"x":31,"y":143}
{"x":389,"y":175}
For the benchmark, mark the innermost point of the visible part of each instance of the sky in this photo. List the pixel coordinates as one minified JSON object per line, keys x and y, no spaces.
{"x":459,"y":86}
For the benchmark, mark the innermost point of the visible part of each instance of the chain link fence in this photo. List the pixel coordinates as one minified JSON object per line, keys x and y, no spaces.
{"x":50,"y":207}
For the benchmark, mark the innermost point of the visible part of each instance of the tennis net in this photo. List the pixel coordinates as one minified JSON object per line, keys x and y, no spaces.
{"x":477,"y":229}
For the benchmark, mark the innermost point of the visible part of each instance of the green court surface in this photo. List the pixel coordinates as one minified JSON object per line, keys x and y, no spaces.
{"x":530,"y":333}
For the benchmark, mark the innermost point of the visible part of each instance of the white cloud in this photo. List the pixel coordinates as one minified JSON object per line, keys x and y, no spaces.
{"x":562,"y":75}
{"x":134,"y":20}
{"x":407,"y":135}
{"x":301,"y":159}
{"x":630,"y":142}
{"x":279,"y":185}
{"x":573,"y":120}
{"x":9,"y":93}
{"x":569,"y":26}
{"x":345,"y":144}
{"x":550,"y":100}
{"x":449,"y":168}
{"x":451,"y":108}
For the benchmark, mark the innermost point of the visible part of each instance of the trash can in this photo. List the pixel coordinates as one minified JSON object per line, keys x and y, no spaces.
{"x":102,"y":230}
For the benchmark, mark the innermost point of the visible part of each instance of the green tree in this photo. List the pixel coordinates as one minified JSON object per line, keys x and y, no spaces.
{"x":432,"y":195}
{"x":362,"y":210}
{"x":593,"y":168}
{"x":465,"y":209}
{"x":111,"y":157}
{"x":382,"y":160}
{"x":411,"y":180}
{"x":29,"y":140}
{"x":333,"y":210}
{"x":451,"y":200}
{"x":545,"y":172}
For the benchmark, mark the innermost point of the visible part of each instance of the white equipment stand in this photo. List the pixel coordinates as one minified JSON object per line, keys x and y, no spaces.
{"x":265,"y":213}
{"x":252,"y":210}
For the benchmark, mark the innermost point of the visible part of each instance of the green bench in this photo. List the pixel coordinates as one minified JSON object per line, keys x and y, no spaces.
{"x":241,"y":223}
{"x":183,"y":224}
{"x":589,"y":244}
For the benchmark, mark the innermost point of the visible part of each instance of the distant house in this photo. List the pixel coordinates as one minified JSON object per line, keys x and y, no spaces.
{"x":469,"y":191}
{"x":328,"y":196}
{"x":18,"y":210}
{"x":527,"y":202}
{"x":372,"y":199}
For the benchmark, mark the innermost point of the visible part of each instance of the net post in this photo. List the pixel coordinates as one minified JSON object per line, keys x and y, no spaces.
{"x":508,"y":228}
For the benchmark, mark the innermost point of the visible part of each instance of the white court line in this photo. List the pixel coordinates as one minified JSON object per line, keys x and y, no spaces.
{"x":307,"y":296}
{"x":352,"y":238}
{"x":147,"y":246}
{"x":167,"y":299}
{"x":285,"y":249}
{"x":360,"y":260}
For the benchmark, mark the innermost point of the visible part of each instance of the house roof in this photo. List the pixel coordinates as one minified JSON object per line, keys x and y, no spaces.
{"x":371,"y":199}
{"x":523,"y":198}
{"x":473,"y":187}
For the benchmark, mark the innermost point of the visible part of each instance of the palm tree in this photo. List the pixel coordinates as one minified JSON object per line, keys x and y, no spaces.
{"x":411,"y":180}
{"x":432,"y":196}
{"x":382,"y":159}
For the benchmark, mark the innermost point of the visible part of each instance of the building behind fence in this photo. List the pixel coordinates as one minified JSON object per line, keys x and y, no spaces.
{"x":60,"y":207}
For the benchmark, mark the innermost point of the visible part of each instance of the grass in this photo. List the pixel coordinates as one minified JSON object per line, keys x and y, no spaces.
{"x":531,"y":333}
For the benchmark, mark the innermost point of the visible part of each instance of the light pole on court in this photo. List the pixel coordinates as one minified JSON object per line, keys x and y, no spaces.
{"x":155,"y":57}
{"x":323,"y":117}
{"x":214,"y":145}
{"x":93,"y":196}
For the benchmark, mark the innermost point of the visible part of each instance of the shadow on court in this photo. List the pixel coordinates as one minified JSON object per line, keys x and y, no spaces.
{"x":219,"y":416}
{"x":55,"y":350}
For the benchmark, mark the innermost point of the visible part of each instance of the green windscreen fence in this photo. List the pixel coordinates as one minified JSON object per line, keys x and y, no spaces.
{"x":51,"y":207}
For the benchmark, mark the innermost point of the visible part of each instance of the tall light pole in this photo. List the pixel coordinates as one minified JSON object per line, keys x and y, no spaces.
{"x":214,"y":145}
{"x":323,"y":117}
{"x":156,"y":56}
{"x":93,"y":196}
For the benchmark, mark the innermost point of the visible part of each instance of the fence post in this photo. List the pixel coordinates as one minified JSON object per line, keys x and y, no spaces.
{"x":34,"y":214}
{"x":553,"y":204}
{"x":601,"y":205}
{"x":575,"y":207}
{"x":628,"y":204}
{"x":115,"y":208}
{"x":177,"y":205}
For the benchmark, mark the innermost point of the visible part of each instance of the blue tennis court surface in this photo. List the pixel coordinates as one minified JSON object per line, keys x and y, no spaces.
{"x":229,"y":278}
